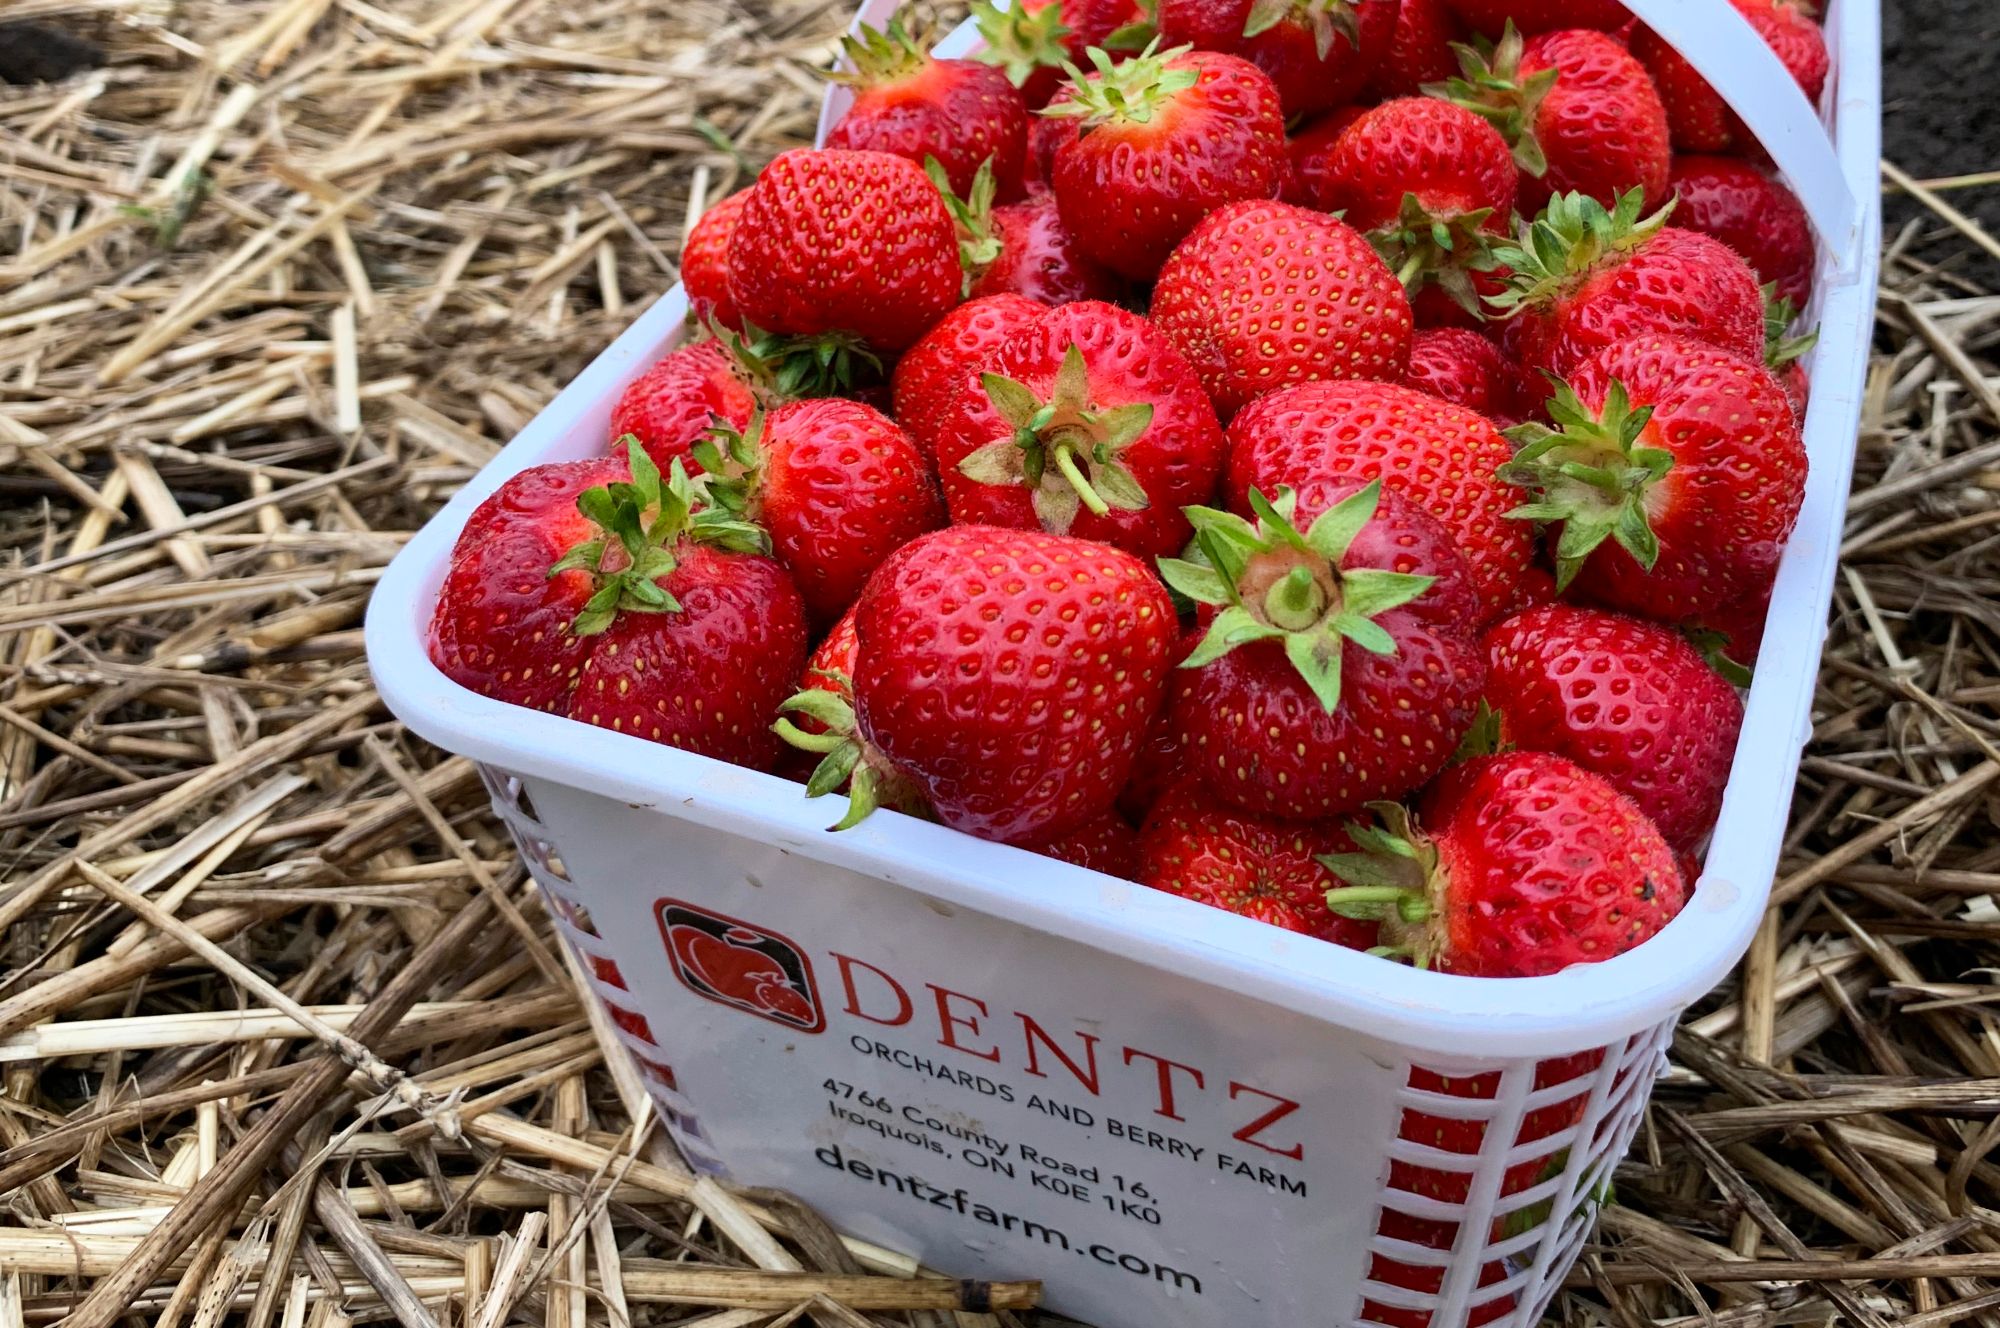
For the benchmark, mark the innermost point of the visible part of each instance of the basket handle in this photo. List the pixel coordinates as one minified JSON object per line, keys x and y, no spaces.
{"x":1726,"y":50}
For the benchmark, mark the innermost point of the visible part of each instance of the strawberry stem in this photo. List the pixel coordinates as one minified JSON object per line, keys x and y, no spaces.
{"x":1065,"y":459}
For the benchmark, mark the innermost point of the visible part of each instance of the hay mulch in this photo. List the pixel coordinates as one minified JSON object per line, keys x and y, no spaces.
{"x":285,"y":1036}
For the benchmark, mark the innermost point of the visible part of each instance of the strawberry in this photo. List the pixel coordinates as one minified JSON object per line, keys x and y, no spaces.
{"x":845,"y":242}
{"x":1536,"y":587}
{"x":1523,"y":864}
{"x":1730,"y":635}
{"x":1318,"y":53}
{"x":1585,"y":279}
{"x":818,"y":720}
{"x":1734,"y":202}
{"x":1087,"y":422}
{"x":1021,"y":248}
{"x":1419,"y":50}
{"x":705,"y":264}
{"x":1200,"y":848}
{"x":619,"y":602}
{"x":1700,"y":120}
{"x":1106,"y":844}
{"x":1263,"y":294}
{"x":1784,"y":354}
{"x":931,"y":372}
{"x":1046,"y":133}
{"x":1629,"y":700}
{"x":1439,"y":456}
{"x":1581,"y":114}
{"x":1164,"y":139}
{"x":911,"y":104}
{"x":1674,"y":471}
{"x":1031,"y":40}
{"x":1338,"y":665}
{"x":670,"y":406}
{"x":1431,"y":184}
{"x":1311,"y":153}
{"x":1491,"y":17}
{"x":837,"y":484}
{"x":1010,"y":674}
{"x":1458,"y":365}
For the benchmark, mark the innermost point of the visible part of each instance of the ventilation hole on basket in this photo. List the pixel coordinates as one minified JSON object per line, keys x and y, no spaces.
{"x":658,"y":1073}
{"x":1463,"y":1085}
{"x":522,"y":803}
{"x":553,"y":864}
{"x":1391,"y":1316}
{"x":632,"y":1022}
{"x":579,"y":917}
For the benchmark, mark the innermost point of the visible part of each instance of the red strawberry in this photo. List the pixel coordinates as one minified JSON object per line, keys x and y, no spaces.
{"x":617,"y":603}
{"x":1675,"y":472}
{"x":911,"y":104}
{"x":1011,"y":674}
{"x":1784,"y":353}
{"x":853,"y":242}
{"x":818,"y":720}
{"x":1524,"y":865}
{"x":1536,"y":587}
{"x":705,"y":263}
{"x":670,"y":406}
{"x":1437,"y":455}
{"x":1629,"y":700}
{"x":1420,"y":51}
{"x":1106,"y":844}
{"x":1490,"y":17}
{"x":837,"y":484}
{"x":1311,"y":152}
{"x":1458,"y":365}
{"x":1339,"y":665}
{"x":1200,"y":848}
{"x":1700,"y":119}
{"x":1031,"y":40}
{"x":964,"y":341}
{"x":1317,"y":52}
{"x":1022,"y":248}
{"x":1046,"y":133}
{"x":1581,"y":113}
{"x":1088,"y":423}
{"x":1731,"y":635}
{"x":1164,"y":140}
{"x":1264,"y":294}
{"x":1734,"y":202}
{"x":1585,"y":279}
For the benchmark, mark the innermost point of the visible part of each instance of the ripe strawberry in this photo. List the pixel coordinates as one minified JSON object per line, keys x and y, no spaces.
{"x":1730,"y":635}
{"x":1031,"y":40}
{"x":1263,"y":294}
{"x":1675,"y":472}
{"x":1432,"y":184}
{"x":1581,"y":113}
{"x":818,"y":721}
{"x":1419,"y":51}
{"x":1439,"y":456}
{"x":1200,"y":848}
{"x":1585,"y":279}
{"x":1046,"y":133}
{"x":1311,"y":153}
{"x":615,"y":601}
{"x":1784,"y":354}
{"x":705,"y":264}
{"x":1458,"y":365}
{"x":1490,"y":17}
{"x":1164,"y":139}
{"x":930,"y":374}
{"x":670,"y":406}
{"x":1339,"y":665}
{"x":837,"y":484}
{"x":1536,"y":587}
{"x":1106,"y":844}
{"x":1086,"y":423}
{"x":1021,"y":248}
{"x":911,"y":104}
{"x":1524,"y":865}
{"x":1701,"y":121}
{"x":1734,"y":202}
{"x":1318,"y":53}
{"x":852,"y":242}
{"x":1629,"y":700}
{"x":1011,"y":674}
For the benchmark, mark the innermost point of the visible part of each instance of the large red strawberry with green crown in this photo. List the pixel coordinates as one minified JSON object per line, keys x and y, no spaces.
{"x":1520,"y":865}
{"x":837,"y":243}
{"x":1339,"y":664}
{"x":1585,"y":278}
{"x":932,"y":372}
{"x":1010,"y":674}
{"x":1624,"y":698}
{"x":1198,"y":847}
{"x":1264,"y":294}
{"x":705,"y":264}
{"x":962,"y":113}
{"x":1318,"y":53}
{"x":617,"y":598}
{"x":1032,"y":40}
{"x":1086,"y":422}
{"x":1436,"y":455}
{"x":1701,"y":121}
{"x":1162,"y":140}
{"x":1021,"y":248}
{"x":1674,"y":473}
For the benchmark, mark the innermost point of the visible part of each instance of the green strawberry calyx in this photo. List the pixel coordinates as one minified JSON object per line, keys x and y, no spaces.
{"x":1714,"y":647}
{"x":1484,"y":737}
{"x":1427,"y":248}
{"x":1269,"y":582}
{"x":1490,"y":85}
{"x":1329,"y":21}
{"x":972,"y":215}
{"x":793,"y":368}
{"x":1571,"y":237}
{"x":642,"y":525}
{"x":1592,"y":474}
{"x":1019,"y":40}
{"x":1781,"y":348}
{"x":1065,"y":450}
{"x":1393,"y":878}
{"x":1129,"y":93}
{"x":732,"y":463}
{"x":875,"y":56}
{"x":846,"y":758}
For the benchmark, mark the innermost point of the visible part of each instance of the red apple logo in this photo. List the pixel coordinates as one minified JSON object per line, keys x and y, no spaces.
{"x":733,"y":963}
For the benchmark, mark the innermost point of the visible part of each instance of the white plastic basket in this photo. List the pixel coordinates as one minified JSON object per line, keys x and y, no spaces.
{"x":1012,"y":1067}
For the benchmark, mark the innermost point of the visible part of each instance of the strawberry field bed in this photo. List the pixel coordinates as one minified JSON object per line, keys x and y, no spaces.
{"x":278,"y":278}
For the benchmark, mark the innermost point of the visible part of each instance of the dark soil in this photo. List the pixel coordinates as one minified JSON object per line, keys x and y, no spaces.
{"x":1941,"y":96}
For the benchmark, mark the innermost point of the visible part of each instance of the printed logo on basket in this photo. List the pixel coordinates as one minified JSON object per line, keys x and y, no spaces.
{"x":737,"y":964}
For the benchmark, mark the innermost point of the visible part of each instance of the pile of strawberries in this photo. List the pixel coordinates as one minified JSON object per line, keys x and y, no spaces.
{"x":1308,"y":456}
